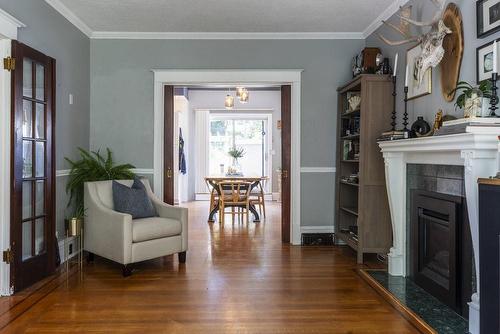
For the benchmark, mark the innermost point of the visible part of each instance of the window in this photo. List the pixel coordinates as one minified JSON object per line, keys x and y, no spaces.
{"x":247,"y":131}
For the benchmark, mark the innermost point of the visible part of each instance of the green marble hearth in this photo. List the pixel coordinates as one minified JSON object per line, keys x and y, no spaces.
{"x":436,"y":314}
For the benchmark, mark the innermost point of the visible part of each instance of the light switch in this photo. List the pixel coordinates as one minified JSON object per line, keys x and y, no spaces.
{"x":70,"y":99}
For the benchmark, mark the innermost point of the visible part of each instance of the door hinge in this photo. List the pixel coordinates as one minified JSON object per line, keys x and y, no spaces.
{"x":9,"y":64}
{"x":8,"y":256}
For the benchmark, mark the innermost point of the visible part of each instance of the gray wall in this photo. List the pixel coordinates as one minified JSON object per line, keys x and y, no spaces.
{"x":122,"y":95}
{"x":428,"y":105}
{"x":47,"y":31}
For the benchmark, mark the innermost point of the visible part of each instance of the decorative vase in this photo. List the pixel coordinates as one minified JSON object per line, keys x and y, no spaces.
{"x":473,"y":105}
{"x":420,"y":127}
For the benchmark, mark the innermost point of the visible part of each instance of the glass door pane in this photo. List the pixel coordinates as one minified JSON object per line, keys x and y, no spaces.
{"x":27,"y":235}
{"x":40,"y":121}
{"x":27,"y":77}
{"x":40,"y":82}
{"x":27,"y":119}
{"x":249,"y":135}
{"x":220,"y":142}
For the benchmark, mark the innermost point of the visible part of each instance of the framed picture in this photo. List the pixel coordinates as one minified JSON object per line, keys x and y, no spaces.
{"x":484,"y":61}
{"x":487,"y":17}
{"x":415,"y":87}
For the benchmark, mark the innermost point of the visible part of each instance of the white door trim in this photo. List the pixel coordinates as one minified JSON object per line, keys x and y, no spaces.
{"x":9,"y":25}
{"x":5,"y":88}
{"x":8,"y":31}
{"x":191,"y":76}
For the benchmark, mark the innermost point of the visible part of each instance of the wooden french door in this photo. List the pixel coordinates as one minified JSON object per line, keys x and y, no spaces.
{"x":168,"y":147}
{"x":32,"y":190}
{"x":286,"y":144}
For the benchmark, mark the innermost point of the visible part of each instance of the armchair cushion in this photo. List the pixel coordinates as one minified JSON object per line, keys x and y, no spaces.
{"x":154,"y":228}
{"x":132,"y":201}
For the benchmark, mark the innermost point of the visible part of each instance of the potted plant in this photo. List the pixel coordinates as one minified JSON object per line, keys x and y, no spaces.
{"x":474,"y":101}
{"x":92,"y":166}
{"x":236,"y":153}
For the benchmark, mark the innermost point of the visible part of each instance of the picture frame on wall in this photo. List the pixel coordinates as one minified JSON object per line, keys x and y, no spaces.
{"x":487,"y":17}
{"x":417,"y":89}
{"x":484,"y":61}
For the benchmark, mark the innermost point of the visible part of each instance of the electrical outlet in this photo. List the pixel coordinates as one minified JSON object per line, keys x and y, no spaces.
{"x":71,"y":99}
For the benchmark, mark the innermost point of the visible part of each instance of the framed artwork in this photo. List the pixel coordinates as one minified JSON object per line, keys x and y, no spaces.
{"x":484,"y":61}
{"x":487,"y":17}
{"x":415,"y":88}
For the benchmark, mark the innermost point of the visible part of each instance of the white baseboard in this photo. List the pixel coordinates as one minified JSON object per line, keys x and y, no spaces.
{"x":202,"y":197}
{"x":73,"y":241}
{"x":317,"y":229}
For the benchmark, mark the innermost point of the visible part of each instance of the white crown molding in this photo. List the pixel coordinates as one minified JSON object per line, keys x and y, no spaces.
{"x":9,"y":25}
{"x":75,"y":20}
{"x":225,"y":35}
{"x":70,"y":16}
{"x":318,"y":170}
{"x":386,"y":14}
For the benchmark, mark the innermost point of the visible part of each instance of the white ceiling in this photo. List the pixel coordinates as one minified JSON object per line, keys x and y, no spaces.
{"x":226,"y":16}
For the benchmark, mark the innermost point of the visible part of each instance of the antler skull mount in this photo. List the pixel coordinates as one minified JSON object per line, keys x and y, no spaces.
{"x":431,"y":42}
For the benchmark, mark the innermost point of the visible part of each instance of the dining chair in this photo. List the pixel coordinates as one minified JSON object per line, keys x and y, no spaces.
{"x":234,"y":194}
{"x":257,"y":196}
{"x":214,"y":195}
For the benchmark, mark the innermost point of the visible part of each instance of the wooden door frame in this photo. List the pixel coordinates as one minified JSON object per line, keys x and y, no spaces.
{"x":164,"y":77}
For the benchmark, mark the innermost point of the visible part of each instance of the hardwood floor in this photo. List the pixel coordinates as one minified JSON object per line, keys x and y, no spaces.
{"x":238,"y":278}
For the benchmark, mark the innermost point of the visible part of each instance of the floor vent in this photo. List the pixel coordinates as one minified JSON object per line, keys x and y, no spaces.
{"x":317,"y":239}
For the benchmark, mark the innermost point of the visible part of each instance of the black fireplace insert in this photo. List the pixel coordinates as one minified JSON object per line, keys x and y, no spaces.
{"x":441,"y":247}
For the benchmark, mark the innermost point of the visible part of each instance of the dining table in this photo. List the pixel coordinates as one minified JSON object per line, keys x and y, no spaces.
{"x":213,"y":181}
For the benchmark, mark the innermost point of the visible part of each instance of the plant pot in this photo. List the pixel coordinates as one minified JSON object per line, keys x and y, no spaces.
{"x":73,"y":226}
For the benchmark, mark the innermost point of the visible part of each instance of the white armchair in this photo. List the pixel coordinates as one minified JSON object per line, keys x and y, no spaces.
{"x":118,"y":237}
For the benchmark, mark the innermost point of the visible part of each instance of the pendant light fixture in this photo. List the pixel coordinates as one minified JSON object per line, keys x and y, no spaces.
{"x":229,"y":101}
{"x":245,"y":95}
{"x":239,"y":90}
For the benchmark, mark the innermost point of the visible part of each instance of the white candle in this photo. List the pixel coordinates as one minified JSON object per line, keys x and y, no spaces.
{"x":395,"y":65}
{"x":495,"y":57}
{"x":406,"y":76}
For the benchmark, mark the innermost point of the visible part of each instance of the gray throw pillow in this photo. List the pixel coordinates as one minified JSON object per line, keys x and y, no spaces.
{"x":132,"y":201}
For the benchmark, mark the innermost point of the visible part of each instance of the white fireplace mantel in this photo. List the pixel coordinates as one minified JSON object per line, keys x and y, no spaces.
{"x":477,"y":150}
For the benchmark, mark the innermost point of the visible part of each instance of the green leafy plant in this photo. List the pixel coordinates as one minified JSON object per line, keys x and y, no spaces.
{"x":236,"y":152}
{"x":92,"y":166}
{"x":467,"y":89}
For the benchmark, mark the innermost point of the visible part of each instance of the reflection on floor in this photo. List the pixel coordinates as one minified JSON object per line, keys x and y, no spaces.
{"x":238,"y":278}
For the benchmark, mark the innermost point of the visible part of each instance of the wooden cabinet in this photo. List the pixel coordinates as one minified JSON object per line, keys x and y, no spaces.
{"x":362,"y":215}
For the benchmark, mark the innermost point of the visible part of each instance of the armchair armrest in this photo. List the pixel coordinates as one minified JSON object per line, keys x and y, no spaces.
{"x":174,"y":212}
{"x":107,"y":233}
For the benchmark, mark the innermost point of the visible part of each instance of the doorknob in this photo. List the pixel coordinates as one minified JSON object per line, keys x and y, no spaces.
{"x":285,"y":174}
{"x":169,"y":173}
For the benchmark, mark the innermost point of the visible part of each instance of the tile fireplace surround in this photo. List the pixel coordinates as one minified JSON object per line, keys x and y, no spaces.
{"x":477,"y":150}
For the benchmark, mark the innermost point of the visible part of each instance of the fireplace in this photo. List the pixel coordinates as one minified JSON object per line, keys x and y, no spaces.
{"x":441,"y":250}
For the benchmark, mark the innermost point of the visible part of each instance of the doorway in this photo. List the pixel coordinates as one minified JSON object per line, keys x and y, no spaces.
{"x":289,"y":81}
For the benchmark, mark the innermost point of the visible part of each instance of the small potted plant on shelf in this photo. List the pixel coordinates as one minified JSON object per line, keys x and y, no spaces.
{"x":474,"y":101}
{"x":235,"y":153}
{"x":92,"y":166}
